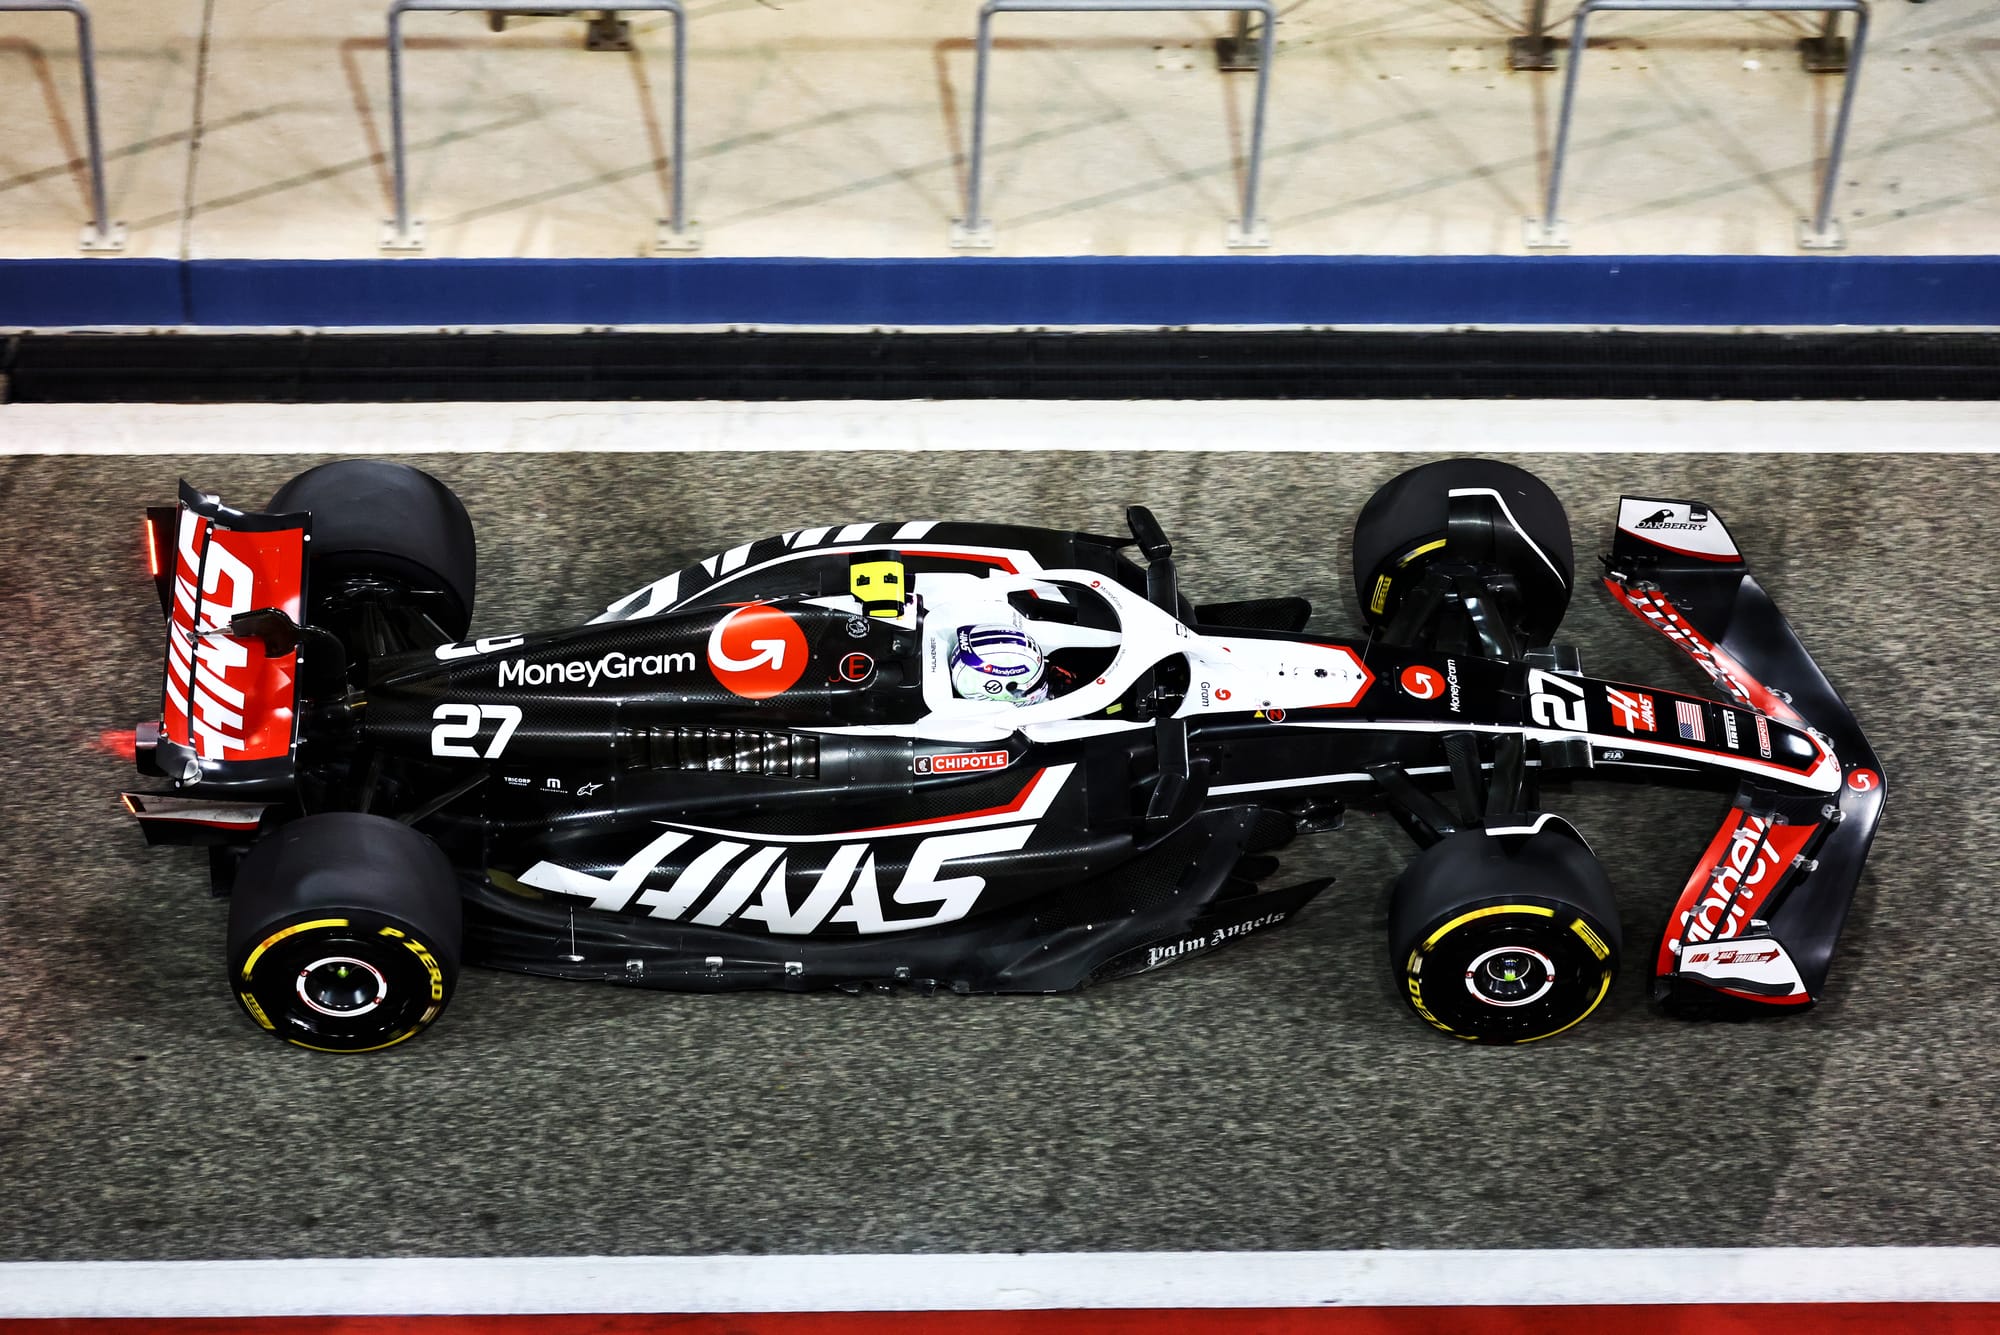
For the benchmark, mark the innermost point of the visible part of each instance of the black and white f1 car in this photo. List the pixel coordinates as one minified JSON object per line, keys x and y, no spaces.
{"x":755,"y":771}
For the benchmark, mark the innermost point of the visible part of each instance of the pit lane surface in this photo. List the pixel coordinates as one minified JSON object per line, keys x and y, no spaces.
{"x":1273,"y":1096}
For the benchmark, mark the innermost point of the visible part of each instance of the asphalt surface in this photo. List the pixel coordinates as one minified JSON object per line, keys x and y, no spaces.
{"x":1275,"y":1095}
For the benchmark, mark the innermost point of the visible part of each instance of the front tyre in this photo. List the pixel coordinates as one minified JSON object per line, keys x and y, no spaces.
{"x":1406,"y":530}
{"x":1504,"y":939}
{"x":344,"y":932}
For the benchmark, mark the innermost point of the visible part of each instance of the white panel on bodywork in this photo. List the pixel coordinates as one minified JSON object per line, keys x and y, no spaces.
{"x":1759,"y":961}
{"x":1687,"y":527}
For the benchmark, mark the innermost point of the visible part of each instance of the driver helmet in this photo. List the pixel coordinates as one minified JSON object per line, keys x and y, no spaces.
{"x":1001,"y":663}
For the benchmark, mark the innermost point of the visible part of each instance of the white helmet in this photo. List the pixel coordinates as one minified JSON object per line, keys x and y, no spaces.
{"x":999,"y":662}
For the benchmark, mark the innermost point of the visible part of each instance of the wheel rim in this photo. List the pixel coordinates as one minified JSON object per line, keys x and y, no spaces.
{"x":1509,"y":976}
{"x":342,"y":986}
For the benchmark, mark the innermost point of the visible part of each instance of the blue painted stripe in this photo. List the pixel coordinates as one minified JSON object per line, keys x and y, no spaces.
{"x":73,"y":293}
{"x":1227,"y":290}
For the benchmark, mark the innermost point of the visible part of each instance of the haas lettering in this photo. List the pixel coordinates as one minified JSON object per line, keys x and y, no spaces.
{"x":745,"y":882}
{"x":215,"y":712}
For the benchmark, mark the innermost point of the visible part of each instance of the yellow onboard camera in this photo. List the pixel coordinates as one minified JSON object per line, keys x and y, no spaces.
{"x":880,"y":584}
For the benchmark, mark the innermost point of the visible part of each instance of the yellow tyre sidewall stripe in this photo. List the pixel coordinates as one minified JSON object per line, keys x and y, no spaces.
{"x":1465,"y":918}
{"x":278,"y":936}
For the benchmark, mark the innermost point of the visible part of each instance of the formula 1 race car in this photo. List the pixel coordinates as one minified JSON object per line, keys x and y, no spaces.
{"x":758,"y":771}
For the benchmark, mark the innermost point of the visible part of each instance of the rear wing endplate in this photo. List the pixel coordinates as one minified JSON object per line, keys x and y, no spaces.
{"x":228,"y":707}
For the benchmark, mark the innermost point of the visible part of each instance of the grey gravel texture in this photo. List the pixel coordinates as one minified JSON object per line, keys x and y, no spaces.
{"x":1275,"y":1095}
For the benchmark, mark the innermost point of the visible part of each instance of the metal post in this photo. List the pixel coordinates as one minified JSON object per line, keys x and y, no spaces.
{"x":975,"y":231}
{"x":1826,"y":53}
{"x":1236,"y":53}
{"x":100,"y":234}
{"x":1251,"y":232}
{"x":404,"y":233}
{"x":1534,"y":49}
{"x":1821,"y":231}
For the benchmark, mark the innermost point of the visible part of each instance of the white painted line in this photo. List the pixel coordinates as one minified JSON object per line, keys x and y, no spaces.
{"x":1281,"y":426}
{"x":1009,"y":1282}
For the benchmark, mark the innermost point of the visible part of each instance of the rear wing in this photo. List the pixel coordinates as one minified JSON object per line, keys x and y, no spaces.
{"x":1757,"y":920}
{"x":228,"y":706}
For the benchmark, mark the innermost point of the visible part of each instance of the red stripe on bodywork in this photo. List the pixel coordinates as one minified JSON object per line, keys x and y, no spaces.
{"x":1723,"y":669}
{"x":1795,"y":999}
{"x":1731,"y":559}
{"x":1006,"y":563}
{"x":1020,"y":800}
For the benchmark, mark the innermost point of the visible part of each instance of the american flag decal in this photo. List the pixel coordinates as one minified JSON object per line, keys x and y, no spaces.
{"x":1689,"y":715}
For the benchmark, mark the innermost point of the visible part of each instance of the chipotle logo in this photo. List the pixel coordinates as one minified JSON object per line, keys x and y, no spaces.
{"x":959,"y":762}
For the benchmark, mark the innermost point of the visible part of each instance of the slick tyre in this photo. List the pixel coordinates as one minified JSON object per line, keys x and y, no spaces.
{"x":388,"y":522}
{"x":344,"y":932}
{"x":1405,"y":526}
{"x":1504,"y":939}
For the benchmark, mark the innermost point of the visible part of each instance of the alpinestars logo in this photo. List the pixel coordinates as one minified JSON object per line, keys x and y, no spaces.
{"x":1663,"y":518}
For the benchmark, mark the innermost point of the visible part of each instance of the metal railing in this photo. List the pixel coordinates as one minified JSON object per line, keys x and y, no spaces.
{"x":975,"y":231}
{"x":100,"y":233}
{"x":403,"y":232}
{"x":1819,"y":232}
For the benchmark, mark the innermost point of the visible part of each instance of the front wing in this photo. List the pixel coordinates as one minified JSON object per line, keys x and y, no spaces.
{"x":1756,"y":923}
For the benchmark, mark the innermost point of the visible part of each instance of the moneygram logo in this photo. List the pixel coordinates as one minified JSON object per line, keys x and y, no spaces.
{"x":1423,"y":682}
{"x":757,"y":651}
{"x":588,"y":672}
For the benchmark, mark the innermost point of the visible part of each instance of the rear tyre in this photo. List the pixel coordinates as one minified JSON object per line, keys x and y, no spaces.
{"x":387,"y":523}
{"x":344,"y":932}
{"x":1404,"y":529}
{"x":1504,"y":939}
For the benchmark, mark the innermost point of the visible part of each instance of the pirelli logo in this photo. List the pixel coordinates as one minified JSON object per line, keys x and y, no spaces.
{"x":959,"y":762}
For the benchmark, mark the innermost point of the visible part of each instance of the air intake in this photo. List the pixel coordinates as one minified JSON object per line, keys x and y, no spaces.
{"x":777,"y":755}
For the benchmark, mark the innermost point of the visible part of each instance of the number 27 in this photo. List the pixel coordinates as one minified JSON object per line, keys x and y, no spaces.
{"x":459,"y":724}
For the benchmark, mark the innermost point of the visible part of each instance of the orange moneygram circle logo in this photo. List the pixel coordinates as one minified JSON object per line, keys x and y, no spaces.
{"x":757,"y":651}
{"x":1422,"y":682}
